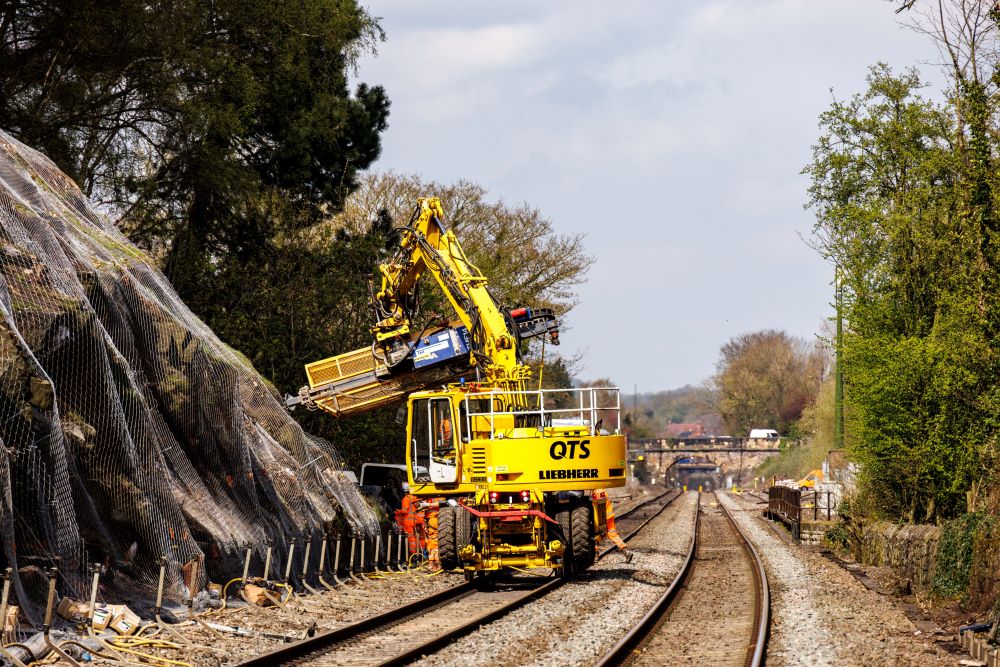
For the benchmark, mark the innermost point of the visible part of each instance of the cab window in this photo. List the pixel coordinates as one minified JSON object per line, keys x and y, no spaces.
{"x":442,"y":427}
{"x":420,"y":453}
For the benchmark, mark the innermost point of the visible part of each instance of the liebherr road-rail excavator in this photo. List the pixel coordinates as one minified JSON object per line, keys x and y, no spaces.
{"x":515,"y":468}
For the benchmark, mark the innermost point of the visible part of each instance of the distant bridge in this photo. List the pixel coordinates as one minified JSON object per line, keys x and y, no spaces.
{"x":715,"y":458}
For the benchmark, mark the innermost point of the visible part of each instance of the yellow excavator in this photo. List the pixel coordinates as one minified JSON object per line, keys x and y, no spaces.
{"x":512,"y":468}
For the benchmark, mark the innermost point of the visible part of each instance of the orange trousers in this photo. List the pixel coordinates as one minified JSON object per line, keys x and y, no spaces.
{"x":432,"y":535}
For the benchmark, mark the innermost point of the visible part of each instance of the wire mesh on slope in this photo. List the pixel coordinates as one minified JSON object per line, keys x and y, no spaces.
{"x":128,"y":431}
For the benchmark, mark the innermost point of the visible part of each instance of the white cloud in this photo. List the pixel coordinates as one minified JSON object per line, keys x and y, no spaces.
{"x":672,"y":133}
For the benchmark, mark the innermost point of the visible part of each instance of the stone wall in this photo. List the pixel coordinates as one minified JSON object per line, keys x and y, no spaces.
{"x":908,"y":550}
{"x":911,"y":553}
{"x":812,"y":532}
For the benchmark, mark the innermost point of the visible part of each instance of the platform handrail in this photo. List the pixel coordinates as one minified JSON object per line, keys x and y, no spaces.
{"x":586,"y":411}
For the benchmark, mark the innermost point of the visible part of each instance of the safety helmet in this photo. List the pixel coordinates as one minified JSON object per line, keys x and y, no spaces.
{"x":406,"y":487}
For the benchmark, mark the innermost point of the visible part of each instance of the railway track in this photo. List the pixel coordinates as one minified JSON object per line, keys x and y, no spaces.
{"x":635,"y":519}
{"x":716,"y":611}
{"x":408,"y":632}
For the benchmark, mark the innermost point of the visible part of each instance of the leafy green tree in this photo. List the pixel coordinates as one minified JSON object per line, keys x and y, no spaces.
{"x":903,"y":208}
{"x":200,"y":124}
{"x":219,"y":133}
{"x":515,"y":246}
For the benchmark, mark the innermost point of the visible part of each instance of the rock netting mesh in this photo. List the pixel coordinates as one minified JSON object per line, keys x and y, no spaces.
{"x":128,"y":430}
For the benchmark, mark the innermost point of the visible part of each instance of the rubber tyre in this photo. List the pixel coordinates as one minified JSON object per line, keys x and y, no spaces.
{"x":583,"y":537}
{"x":464,"y":529}
{"x":563,"y":518}
{"x":447,"y":551}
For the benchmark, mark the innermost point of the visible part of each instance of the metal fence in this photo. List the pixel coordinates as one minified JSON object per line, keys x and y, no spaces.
{"x":793,"y":506}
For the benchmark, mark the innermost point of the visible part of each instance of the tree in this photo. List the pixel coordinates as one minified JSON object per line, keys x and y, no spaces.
{"x":515,"y":246}
{"x":765,"y":379}
{"x":200,"y":124}
{"x":220,"y":134}
{"x":903,"y":207}
{"x":688,"y":404}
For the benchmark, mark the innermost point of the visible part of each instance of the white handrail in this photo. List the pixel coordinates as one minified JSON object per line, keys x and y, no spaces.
{"x":590,"y":408}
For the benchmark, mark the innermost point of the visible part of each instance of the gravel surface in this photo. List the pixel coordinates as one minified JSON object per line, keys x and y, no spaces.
{"x":329,"y":609}
{"x":821,"y":615}
{"x":627,"y":497}
{"x":577,"y":623}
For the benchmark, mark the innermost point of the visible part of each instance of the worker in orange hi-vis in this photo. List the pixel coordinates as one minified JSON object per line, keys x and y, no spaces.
{"x":431,"y":507}
{"x":410,"y":520}
{"x":601,"y":494}
{"x":444,"y":431}
{"x":433,"y":558}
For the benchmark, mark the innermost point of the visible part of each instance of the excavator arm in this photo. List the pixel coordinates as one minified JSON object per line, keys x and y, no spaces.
{"x":406,"y":357}
{"x":426,"y":246}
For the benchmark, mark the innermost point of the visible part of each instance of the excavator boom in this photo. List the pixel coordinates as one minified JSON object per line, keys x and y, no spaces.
{"x":403,"y":359}
{"x":357,"y":382}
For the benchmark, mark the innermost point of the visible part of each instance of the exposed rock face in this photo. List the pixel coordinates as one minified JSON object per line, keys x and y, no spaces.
{"x":128,"y":431}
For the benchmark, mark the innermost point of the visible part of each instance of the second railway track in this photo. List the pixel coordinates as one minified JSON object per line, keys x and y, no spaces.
{"x":406,"y":633}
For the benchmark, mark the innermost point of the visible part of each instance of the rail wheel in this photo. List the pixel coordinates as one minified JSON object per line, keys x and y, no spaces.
{"x":447,"y":545}
{"x":583,"y":537}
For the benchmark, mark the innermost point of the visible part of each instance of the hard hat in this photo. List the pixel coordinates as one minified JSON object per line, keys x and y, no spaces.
{"x":406,"y":487}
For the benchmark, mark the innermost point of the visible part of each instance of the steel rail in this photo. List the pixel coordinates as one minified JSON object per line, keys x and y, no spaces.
{"x":442,"y":640}
{"x":329,"y":638}
{"x":622,"y":650}
{"x":762,"y":608}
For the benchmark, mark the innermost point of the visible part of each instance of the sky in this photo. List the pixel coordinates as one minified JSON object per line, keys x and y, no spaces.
{"x":672,"y":133}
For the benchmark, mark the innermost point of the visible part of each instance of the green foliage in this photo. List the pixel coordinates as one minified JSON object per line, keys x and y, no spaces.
{"x":953,"y":558}
{"x":837,"y":538}
{"x":903,"y":193}
{"x":207,"y":126}
{"x":919,"y":447}
{"x":816,"y":423}
{"x":795,"y":460}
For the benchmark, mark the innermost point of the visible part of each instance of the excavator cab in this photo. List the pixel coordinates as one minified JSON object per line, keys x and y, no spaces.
{"x":432,"y":437}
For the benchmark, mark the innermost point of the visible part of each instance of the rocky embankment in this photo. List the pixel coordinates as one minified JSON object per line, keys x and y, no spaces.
{"x":128,"y":430}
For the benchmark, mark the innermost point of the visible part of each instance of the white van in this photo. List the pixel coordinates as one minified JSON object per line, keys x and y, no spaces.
{"x":765,"y":433}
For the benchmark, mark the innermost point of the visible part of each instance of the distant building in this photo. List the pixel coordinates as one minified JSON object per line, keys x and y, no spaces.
{"x":681,"y":431}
